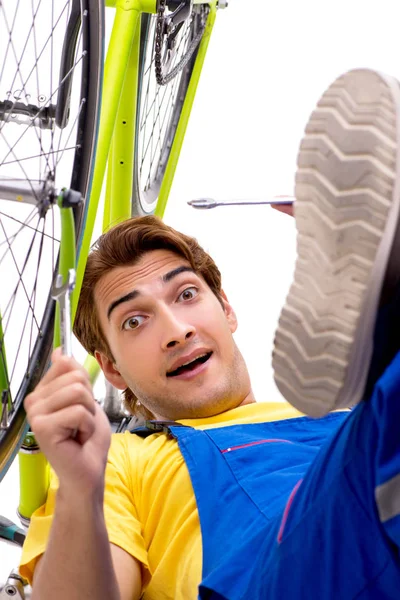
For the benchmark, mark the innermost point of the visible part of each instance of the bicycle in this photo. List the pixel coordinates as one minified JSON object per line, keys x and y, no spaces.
{"x":135,"y":131}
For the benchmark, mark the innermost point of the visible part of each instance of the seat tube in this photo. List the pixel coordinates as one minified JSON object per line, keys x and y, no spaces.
{"x":119,"y":50}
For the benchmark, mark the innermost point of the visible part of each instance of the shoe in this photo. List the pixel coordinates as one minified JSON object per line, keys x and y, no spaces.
{"x":347,"y":219}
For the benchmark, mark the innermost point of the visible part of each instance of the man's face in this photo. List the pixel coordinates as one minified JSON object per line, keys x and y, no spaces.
{"x":171,"y":339}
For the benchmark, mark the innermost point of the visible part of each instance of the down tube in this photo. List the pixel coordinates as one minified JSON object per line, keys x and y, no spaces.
{"x":185,"y":114}
{"x":118,"y":199}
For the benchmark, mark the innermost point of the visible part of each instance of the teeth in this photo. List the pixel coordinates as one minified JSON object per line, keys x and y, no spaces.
{"x":189,"y":361}
{"x":193,"y":359}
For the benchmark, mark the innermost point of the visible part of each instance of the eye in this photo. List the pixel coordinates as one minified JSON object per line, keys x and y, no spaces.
{"x":133,"y":322}
{"x":189,"y":293}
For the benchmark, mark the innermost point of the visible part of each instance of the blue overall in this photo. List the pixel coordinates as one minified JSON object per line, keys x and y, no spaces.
{"x":288,"y":509}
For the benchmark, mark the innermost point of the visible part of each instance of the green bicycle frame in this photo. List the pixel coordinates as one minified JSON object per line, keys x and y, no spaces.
{"x":67,"y":257}
{"x":122,"y":57}
{"x":115,"y":152}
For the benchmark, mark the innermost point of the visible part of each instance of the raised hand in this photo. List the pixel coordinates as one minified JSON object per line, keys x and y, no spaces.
{"x":70,"y":427}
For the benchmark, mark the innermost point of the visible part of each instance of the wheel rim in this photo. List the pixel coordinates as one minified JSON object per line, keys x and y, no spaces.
{"x":37,"y":159}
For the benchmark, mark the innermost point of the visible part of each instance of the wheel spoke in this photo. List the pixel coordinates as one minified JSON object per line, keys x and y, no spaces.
{"x":61,"y":152}
{"x":40,"y":111}
{"x":18,"y":61}
{"x":49,"y":88}
{"x":165,"y":121}
{"x":16,"y":266}
{"x":23,"y":225}
{"x":33,"y":297}
{"x":51,"y":152}
{"x":9,"y":308}
{"x":156,"y":119}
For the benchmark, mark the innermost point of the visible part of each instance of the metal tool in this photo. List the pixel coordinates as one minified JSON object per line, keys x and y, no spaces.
{"x":61,"y":292}
{"x":206,"y":203}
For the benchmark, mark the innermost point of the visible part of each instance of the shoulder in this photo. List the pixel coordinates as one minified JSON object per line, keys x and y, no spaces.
{"x":124,"y":447}
{"x":131,"y":448}
{"x":122,"y":441}
{"x":134,"y":463}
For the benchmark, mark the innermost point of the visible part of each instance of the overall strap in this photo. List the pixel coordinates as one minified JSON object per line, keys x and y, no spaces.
{"x":151,"y":427}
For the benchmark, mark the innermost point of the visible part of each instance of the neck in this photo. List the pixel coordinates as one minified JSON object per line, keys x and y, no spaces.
{"x":249,"y":399}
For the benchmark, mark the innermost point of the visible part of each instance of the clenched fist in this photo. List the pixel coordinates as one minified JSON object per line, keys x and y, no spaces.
{"x":70,"y":427}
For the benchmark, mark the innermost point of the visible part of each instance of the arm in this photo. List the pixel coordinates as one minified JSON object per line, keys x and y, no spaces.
{"x":74,"y":433}
{"x":126,"y":570}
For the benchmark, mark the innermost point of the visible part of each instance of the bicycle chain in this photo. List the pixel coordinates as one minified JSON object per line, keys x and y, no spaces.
{"x":160,"y":77}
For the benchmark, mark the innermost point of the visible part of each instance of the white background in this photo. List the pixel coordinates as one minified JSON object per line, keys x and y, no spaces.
{"x":267,"y":65}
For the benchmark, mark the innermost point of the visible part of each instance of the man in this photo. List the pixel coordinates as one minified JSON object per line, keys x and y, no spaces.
{"x":219,"y":496}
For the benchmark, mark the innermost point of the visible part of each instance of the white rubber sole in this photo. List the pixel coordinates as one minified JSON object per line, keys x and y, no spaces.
{"x":347,"y":208}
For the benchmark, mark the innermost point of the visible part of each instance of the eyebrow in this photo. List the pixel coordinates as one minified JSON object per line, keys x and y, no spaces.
{"x":135,"y":293}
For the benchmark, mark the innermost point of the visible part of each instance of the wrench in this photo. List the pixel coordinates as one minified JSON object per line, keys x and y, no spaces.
{"x":61,"y":292}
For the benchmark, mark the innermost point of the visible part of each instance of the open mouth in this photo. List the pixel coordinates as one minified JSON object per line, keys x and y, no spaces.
{"x":191,"y":366}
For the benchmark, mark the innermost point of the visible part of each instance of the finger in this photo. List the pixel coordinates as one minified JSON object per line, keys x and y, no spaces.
{"x":43,"y":396}
{"x":74,"y":393}
{"x":103,"y":427}
{"x":73,"y":422}
{"x":61,"y":364}
{"x":287,"y":209}
{"x":78,"y":375}
{"x":57,"y":352}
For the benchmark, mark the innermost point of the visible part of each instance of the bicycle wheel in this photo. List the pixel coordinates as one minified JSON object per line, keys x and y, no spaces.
{"x":50,"y":73}
{"x":159,"y":106}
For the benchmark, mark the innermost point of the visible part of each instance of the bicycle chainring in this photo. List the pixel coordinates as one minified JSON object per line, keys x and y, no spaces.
{"x":165,"y":41}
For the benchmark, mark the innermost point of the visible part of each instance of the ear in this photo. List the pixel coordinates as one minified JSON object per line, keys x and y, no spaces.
{"x":110,"y":371}
{"x":229,"y":312}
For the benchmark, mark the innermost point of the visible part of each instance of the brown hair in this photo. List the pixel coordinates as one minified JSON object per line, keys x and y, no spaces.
{"x":123,"y":245}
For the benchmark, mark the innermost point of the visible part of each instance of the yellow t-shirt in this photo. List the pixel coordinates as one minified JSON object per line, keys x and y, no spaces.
{"x":150,"y":508}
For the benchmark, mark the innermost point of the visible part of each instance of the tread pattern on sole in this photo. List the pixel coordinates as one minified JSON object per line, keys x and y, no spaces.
{"x":344,"y":189}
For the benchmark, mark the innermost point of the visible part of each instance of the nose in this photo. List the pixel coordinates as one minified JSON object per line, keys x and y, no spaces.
{"x":175,"y":330}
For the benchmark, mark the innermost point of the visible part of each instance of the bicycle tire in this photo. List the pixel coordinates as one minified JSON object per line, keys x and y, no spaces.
{"x":48,"y":134}
{"x":147,"y":181}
